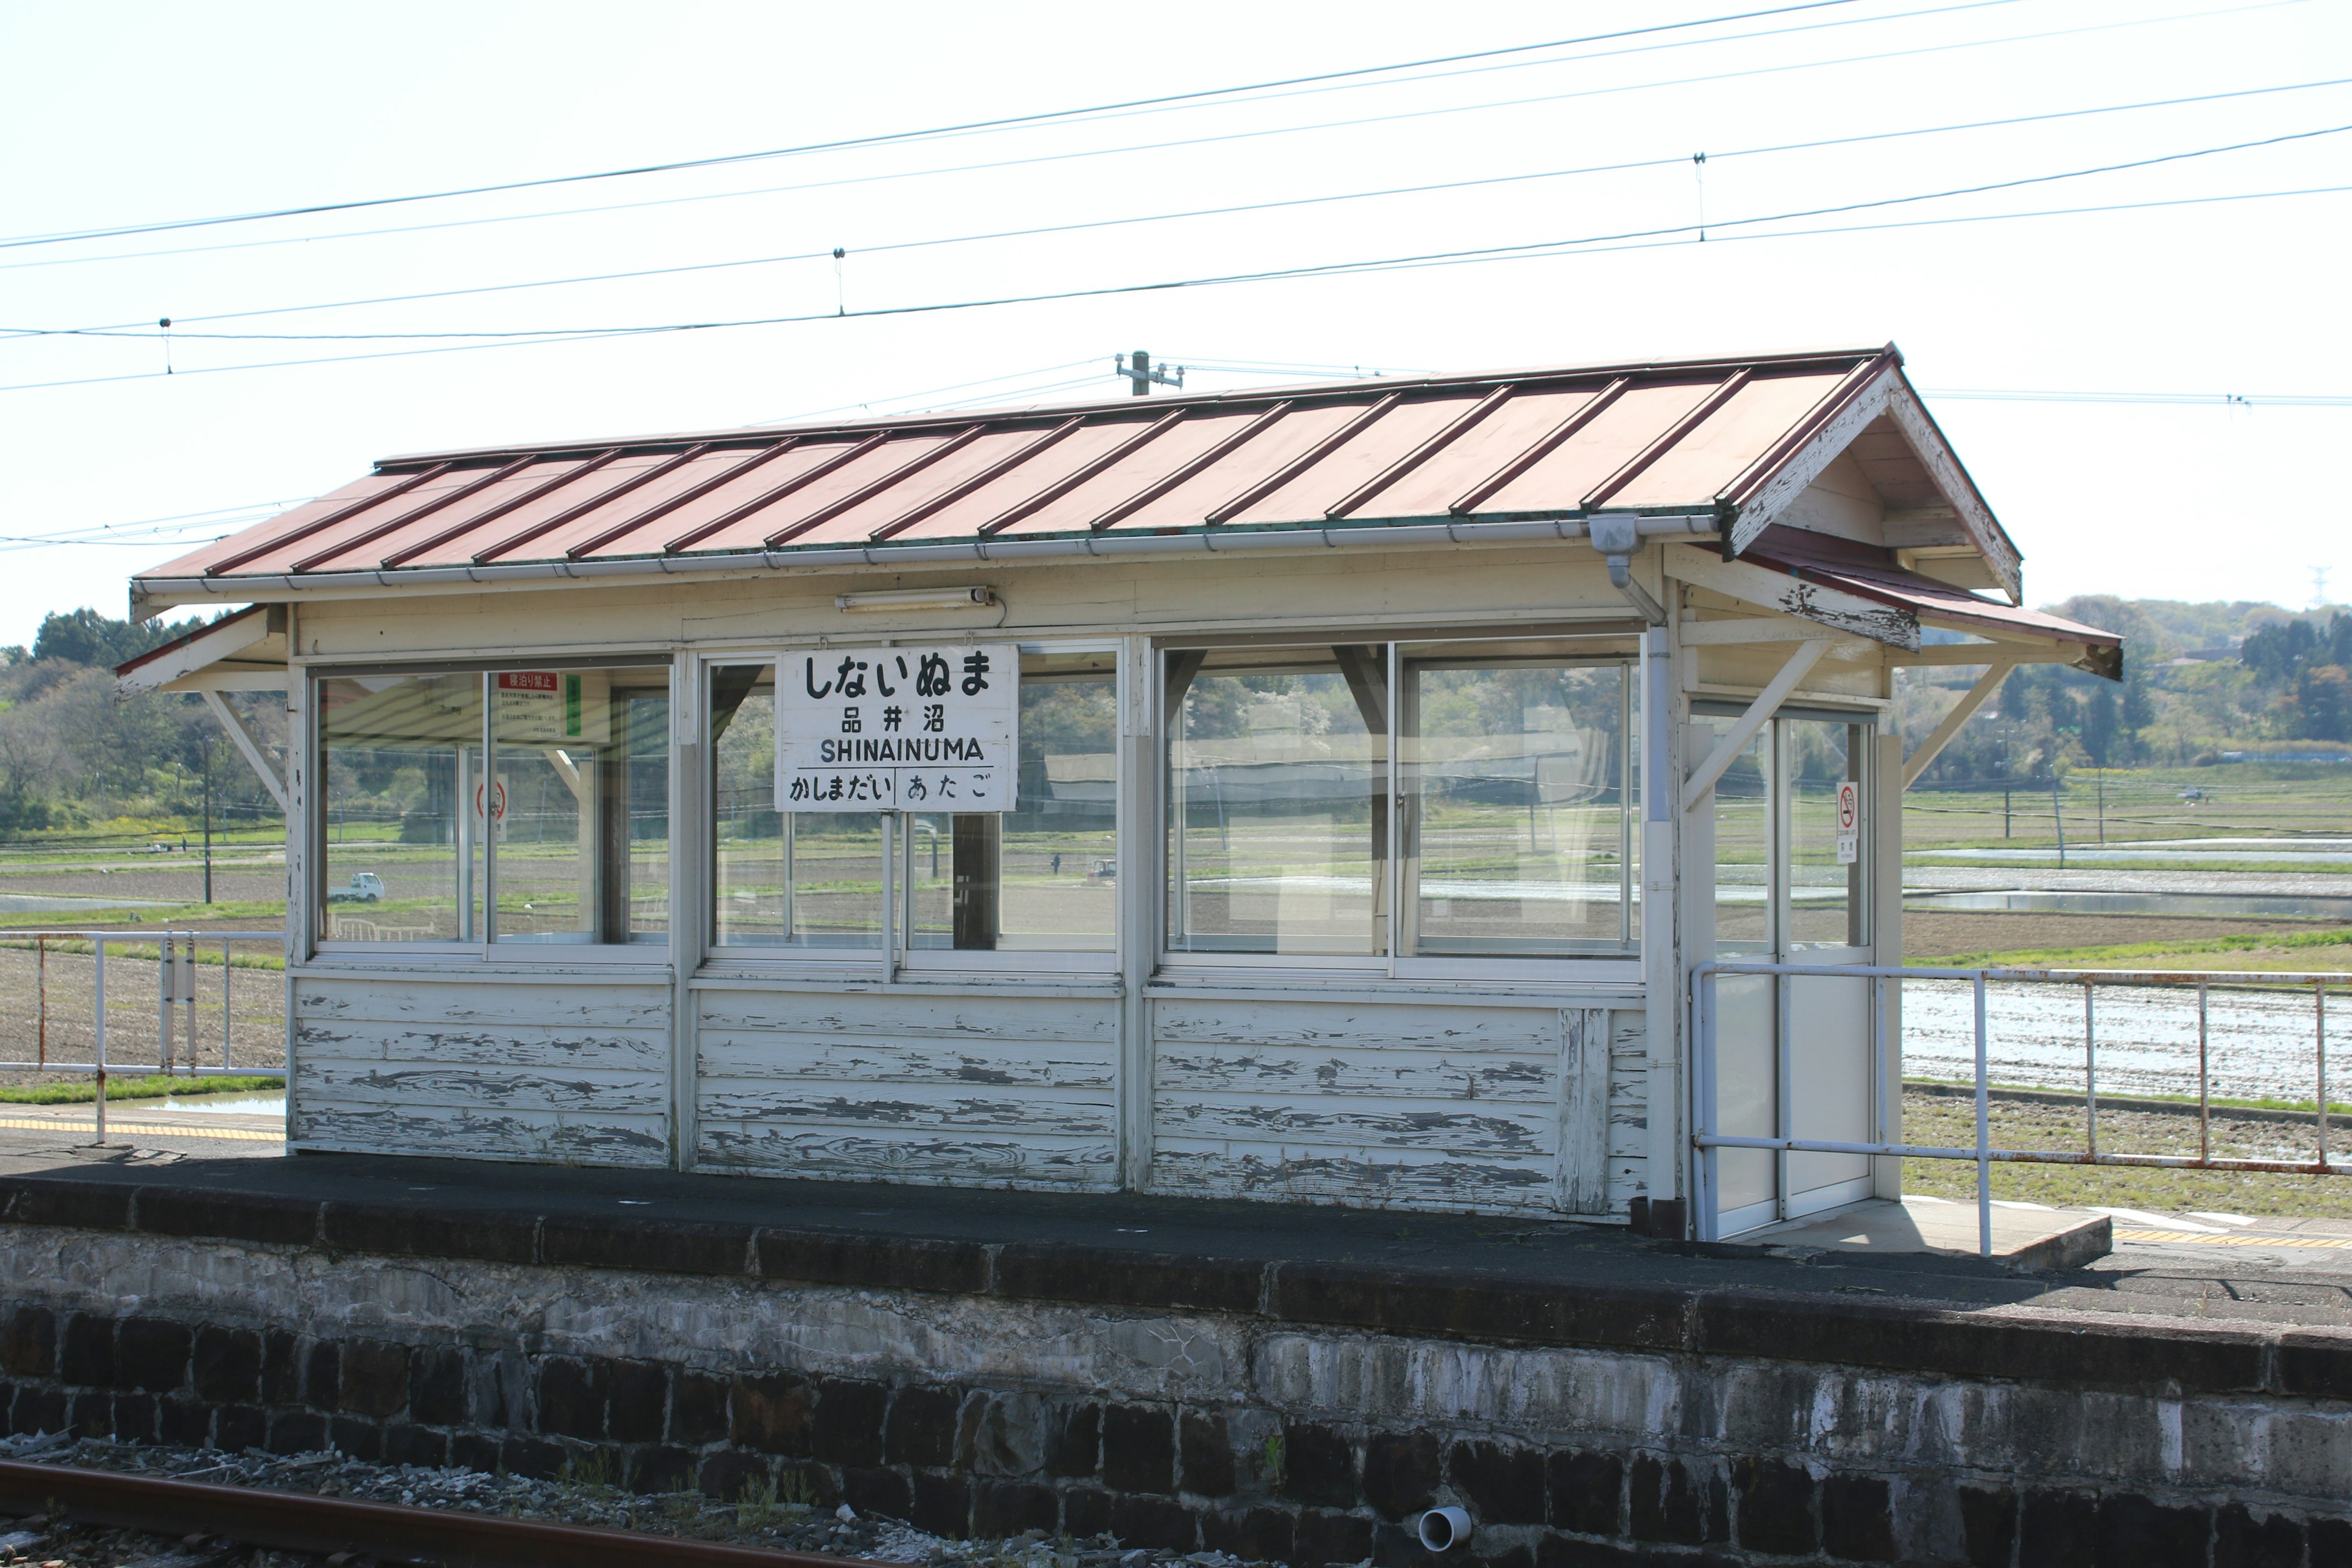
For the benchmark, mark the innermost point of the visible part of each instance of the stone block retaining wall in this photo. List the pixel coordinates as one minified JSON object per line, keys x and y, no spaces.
{"x":1307,"y":1417}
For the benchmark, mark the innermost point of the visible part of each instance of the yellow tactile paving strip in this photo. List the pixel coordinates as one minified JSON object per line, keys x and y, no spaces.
{"x":143,"y":1128}
{"x":2212,"y":1239}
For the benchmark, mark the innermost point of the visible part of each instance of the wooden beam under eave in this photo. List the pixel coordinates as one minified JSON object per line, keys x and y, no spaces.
{"x":1777,"y":592}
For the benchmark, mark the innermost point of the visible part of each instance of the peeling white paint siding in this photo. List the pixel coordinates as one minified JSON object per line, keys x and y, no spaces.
{"x":1393,"y":1104}
{"x":1003,"y":1090}
{"x":567,"y":1069}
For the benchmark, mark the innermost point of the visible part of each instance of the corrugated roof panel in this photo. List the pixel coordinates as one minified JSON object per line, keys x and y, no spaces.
{"x":1564,"y":476}
{"x":684,"y":528}
{"x":288,"y":527}
{"x":1701,"y":464}
{"x":1343,"y":471}
{"x":587,"y":480}
{"x":648,"y":539}
{"x":859,"y":523}
{"x":374,"y":553}
{"x":1178,"y":445}
{"x":1188,"y":505}
{"x":1506,"y":432}
{"x":965,"y":516}
{"x":793,"y":515}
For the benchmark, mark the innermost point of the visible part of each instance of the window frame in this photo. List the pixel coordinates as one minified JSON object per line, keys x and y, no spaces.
{"x":895,"y":957}
{"x":1609,"y":968}
{"x":653,"y":953}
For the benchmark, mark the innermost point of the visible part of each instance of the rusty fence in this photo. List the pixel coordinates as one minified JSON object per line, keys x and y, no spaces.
{"x":1708,"y":1114}
{"x":90,"y":1002}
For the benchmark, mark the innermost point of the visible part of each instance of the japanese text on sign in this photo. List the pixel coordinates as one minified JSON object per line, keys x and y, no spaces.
{"x":898,"y":729}
{"x":1849,"y":822}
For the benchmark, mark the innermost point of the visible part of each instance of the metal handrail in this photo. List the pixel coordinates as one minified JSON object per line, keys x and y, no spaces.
{"x":1705,"y":1111}
{"x":168,"y":941}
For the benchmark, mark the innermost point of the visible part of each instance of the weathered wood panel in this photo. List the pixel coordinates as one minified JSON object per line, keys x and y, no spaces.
{"x":1629,"y":1109}
{"x":743,"y":1054}
{"x":1354,"y":1071}
{"x":541,"y":1070}
{"x":1013,"y":1091}
{"x":1026,"y":1161}
{"x":319,"y":1079}
{"x":605,"y":1138}
{"x":1324,"y":1175}
{"x":1400,"y":1104}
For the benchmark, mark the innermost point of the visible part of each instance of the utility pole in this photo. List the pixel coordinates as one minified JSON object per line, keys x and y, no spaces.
{"x":1142,"y":375}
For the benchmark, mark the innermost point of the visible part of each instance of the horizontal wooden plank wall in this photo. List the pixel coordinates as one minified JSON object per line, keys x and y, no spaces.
{"x":550,"y":1070}
{"x":1007,"y":1090}
{"x":1392,"y":1104}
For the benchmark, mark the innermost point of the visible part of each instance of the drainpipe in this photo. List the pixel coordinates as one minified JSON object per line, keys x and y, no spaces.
{"x":1617,"y":537}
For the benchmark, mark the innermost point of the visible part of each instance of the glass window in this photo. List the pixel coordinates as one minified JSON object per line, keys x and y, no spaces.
{"x":1827,"y":906}
{"x":804,"y":880}
{"x":402,"y":852}
{"x":1041,"y":878}
{"x":1743,"y":847}
{"x":504,"y":805}
{"x":1278,"y":790}
{"x":1515,"y":829}
{"x":1518,"y":825}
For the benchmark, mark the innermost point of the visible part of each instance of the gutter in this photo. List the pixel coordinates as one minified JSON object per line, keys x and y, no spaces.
{"x":1620,"y":527}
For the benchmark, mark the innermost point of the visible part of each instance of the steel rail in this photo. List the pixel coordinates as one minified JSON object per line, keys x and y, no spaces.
{"x":301,"y":1521}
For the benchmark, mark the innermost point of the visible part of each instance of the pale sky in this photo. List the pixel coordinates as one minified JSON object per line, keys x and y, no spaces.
{"x":133,"y":114}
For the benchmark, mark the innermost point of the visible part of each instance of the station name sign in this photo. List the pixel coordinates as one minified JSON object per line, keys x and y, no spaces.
{"x":898,"y":729}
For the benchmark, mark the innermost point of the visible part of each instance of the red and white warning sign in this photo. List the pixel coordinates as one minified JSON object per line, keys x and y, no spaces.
{"x":1849,"y":822}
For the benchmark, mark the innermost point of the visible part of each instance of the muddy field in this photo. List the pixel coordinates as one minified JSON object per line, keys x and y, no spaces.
{"x":1945,"y":933}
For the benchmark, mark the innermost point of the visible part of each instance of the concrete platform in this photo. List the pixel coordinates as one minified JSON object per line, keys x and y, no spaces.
{"x":2028,"y":1237}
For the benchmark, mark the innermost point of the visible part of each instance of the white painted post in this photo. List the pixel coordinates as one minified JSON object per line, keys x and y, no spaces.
{"x":1136,"y":849}
{"x":2204,"y":1104}
{"x":100,"y":1141}
{"x":2320,"y":1045}
{"x":1784,"y":1120}
{"x":1984,"y":1129}
{"x":2091,"y":1065}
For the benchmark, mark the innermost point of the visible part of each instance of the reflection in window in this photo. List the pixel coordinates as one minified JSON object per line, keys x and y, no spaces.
{"x":1041,"y":878}
{"x":402,"y":758}
{"x":1277,"y":787}
{"x":1743,"y":847}
{"x":1518,"y":821}
{"x":581,"y":839}
{"x":1044,"y":877}
{"x":1827,"y":906}
{"x":808,"y":880}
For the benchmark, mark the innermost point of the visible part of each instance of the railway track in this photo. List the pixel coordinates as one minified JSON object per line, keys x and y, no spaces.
{"x":213,"y":1525}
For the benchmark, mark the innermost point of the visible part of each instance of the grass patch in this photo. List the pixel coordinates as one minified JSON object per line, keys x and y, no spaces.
{"x":142,"y":1088}
{"x":2082,"y":957}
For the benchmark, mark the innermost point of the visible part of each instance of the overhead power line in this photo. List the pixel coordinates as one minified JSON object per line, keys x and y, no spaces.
{"x":1221,"y":138}
{"x":889,"y":138}
{"x":1981,"y":188}
{"x":181,"y":322}
{"x":1544,"y":250}
{"x":2150,"y":399}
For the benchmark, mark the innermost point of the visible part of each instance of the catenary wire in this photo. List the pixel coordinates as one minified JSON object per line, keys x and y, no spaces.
{"x":181,"y":321}
{"x":1979,"y":189}
{"x":1563,"y":248}
{"x":891,"y":137}
{"x":1191,"y":140}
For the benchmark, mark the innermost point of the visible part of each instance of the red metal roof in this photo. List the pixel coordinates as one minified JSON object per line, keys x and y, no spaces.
{"x":1692,"y":436}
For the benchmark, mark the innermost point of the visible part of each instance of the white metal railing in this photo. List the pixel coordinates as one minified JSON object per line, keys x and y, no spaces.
{"x":176,"y":980}
{"x":1706,"y":1114}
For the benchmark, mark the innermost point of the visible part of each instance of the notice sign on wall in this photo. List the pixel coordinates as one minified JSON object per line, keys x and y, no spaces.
{"x":898,"y":729}
{"x":1849,"y":822}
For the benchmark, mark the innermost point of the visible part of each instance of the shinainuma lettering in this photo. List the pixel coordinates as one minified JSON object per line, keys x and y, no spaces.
{"x":900,"y":749}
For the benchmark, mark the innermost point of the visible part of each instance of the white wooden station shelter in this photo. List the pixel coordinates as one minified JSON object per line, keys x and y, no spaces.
{"x":1318,"y":794}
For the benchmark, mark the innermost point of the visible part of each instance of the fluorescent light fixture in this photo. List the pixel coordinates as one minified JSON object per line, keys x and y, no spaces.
{"x":918,"y":599}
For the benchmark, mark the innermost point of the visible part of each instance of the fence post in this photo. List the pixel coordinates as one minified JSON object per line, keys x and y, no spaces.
{"x":225,"y":1000}
{"x":1984,"y":1132}
{"x":1784,"y":1121}
{"x":2319,"y":1044}
{"x":100,"y":1048}
{"x":164,"y":954}
{"x":2091,"y":1063}
{"x":2204,"y":1102}
{"x":41,"y":984}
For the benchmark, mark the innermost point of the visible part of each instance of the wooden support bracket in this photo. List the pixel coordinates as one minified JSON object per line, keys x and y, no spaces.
{"x":1768,"y":703}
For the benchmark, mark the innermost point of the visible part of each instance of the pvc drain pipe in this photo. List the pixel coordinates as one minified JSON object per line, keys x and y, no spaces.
{"x":1442,"y":1529}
